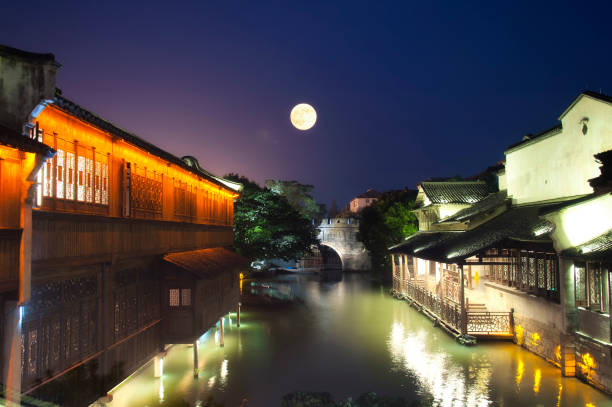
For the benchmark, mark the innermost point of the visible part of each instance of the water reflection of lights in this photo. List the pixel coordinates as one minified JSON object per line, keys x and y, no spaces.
{"x":211,"y":381}
{"x":223,"y":373}
{"x":444,"y":380}
{"x":520,"y":370}
{"x":559,"y":395}
{"x":537,"y":379}
{"x":161,"y":389}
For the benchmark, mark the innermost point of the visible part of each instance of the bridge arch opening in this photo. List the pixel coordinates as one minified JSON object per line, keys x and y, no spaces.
{"x":330,"y":258}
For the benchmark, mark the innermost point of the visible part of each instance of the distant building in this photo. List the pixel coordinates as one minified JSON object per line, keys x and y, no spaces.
{"x":366,"y":199}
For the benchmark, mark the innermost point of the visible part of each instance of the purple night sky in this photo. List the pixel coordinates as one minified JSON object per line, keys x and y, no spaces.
{"x":403,"y":91}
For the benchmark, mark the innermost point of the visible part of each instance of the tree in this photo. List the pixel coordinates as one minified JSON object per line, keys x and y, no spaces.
{"x":267,"y":226}
{"x":299,"y":196}
{"x":386,"y":222}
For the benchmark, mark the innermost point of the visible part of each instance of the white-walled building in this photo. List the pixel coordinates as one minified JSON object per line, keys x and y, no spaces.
{"x":534,"y":261}
{"x":364,"y":200}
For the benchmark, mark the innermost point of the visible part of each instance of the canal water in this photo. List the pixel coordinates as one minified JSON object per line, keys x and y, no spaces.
{"x":347,"y":338}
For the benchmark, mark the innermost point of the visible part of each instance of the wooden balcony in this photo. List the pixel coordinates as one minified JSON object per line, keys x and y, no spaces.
{"x":62,"y":237}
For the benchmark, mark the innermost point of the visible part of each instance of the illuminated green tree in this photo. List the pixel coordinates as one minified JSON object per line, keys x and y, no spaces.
{"x":386,"y":222}
{"x":267,"y":226}
{"x":300,"y":197}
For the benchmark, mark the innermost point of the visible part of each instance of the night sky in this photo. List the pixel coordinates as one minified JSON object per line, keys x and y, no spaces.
{"x":403,"y":91}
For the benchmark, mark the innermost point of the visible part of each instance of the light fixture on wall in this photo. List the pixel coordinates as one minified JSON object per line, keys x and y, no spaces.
{"x":584,"y":122}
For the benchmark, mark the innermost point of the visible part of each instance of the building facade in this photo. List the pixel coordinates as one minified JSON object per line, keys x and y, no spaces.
{"x":90,"y":214}
{"x":531,"y":261}
{"x":363,"y":200}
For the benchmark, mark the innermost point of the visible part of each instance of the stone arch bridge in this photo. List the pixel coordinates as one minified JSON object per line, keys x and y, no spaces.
{"x":338,"y":238}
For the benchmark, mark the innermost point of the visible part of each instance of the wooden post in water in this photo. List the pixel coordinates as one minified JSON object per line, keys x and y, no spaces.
{"x":462,"y":301}
{"x":221,"y":332}
{"x":159,"y":366}
{"x":196,"y":369}
{"x":238,"y":316}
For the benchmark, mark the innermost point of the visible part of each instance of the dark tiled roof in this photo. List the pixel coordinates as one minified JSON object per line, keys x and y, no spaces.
{"x":529,"y":137}
{"x":25,"y":55}
{"x":13,"y":139}
{"x":516,"y":226}
{"x":491,"y":202}
{"x":455,"y":192}
{"x":599,"y":248}
{"x":598,"y":95}
{"x":370,"y":193}
{"x":87,"y":116}
{"x":206,"y":263}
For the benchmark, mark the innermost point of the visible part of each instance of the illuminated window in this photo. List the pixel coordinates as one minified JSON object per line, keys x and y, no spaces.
{"x":174,"y":299}
{"x":88,"y":180}
{"x":80,"y":178}
{"x":104,"y":184}
{"x":580,"y":285}
{"x":98,"y":183}
{"x":61,"y":167}
{"x":70,"y":175}
{"x":186,"y":297}
{"x":47,"y":182}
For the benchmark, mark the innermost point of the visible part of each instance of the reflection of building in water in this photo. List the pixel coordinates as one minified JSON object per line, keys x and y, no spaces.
{"x":449,"y":383}
{"x":532,"y":261}
{"x":109,"y":246}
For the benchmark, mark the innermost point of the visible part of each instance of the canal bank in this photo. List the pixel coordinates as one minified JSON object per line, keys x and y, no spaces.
{"x":347,"y":338}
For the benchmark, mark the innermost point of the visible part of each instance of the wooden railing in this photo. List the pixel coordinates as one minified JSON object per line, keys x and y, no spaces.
{"x":446,"y":310}
{"x":490,"y":323}
{"x":478,"y":323}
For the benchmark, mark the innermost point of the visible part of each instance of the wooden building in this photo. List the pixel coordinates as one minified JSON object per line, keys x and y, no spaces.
{"x":108,"y":211}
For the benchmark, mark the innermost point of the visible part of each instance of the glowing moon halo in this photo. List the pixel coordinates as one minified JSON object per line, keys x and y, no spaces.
{"x":303,"y":116}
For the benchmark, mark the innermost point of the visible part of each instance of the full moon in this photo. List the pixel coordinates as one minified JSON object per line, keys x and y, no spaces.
{"x":303,"y":116}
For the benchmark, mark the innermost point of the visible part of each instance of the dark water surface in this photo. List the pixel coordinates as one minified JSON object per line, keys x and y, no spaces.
{"x":348,"y":338}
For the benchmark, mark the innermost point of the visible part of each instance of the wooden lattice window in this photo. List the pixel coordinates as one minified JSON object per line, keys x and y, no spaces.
{"x":70,"y":174}
{"x":60,"y":168}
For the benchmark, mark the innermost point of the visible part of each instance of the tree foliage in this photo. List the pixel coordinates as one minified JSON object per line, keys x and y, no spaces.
{"x":267,"y":226}
{"x":300,"y":197}
{"x":386,"y":222}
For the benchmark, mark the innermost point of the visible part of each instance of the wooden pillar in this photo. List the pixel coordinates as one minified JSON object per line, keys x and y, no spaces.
{"x":394,"y":271}
{"x":196,"y":369}
{"x":158,"y":366}
{"x":12,"y":352}
{"x":462,"y":301}
{"x":221,"y":342}
{"x":469,"y":269}
{"x":402,"y":271}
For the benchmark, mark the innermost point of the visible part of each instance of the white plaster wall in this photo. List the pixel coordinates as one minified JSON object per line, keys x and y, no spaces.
{"x":525,"y":305}
{"x":561,"y":165}
{"x":501,"y":180}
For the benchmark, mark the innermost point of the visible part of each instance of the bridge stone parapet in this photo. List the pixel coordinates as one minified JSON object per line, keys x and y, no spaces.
{"x":340,"y":234}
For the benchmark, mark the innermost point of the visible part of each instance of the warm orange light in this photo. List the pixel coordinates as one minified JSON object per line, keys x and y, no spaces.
{"x":558,"y":352}
{"x":520,"y":369}
{"x":588,"y":361}
{"x":520,"y":339}
{"x":537,"y":379}
{"x":535,"y":338}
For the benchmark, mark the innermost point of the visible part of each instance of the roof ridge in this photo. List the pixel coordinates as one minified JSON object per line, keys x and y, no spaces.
{"x":453,"y":182}
{"x":73,"y":108}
